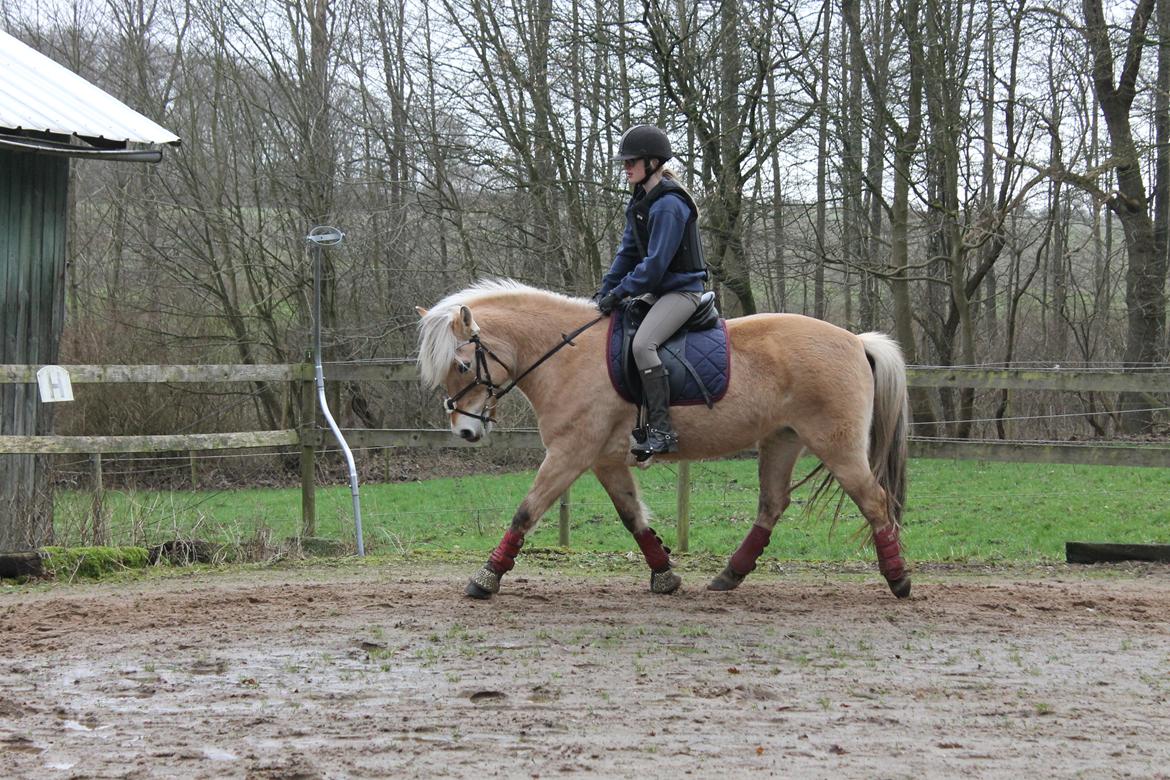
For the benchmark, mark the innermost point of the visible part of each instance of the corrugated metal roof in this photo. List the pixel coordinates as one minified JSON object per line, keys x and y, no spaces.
{"x":37,"y":94}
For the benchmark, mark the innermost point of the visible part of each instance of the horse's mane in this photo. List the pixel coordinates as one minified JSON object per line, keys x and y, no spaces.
{"x":436,"y":338}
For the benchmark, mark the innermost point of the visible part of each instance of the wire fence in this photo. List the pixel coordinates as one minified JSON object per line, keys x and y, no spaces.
{"x":204,"y":483}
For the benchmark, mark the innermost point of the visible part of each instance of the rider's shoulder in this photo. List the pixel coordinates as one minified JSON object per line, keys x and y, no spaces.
{"x":671,"y":201}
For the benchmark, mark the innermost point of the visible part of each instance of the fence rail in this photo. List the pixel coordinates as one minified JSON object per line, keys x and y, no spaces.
{"x":310,"y":438}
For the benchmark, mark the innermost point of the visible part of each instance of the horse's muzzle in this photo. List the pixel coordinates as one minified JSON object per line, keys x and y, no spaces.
{"x":469,"y":435}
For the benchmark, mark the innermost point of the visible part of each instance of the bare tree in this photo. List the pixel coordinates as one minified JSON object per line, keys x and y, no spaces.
{"x":734,"y":46}
{"x":1145,"y":289}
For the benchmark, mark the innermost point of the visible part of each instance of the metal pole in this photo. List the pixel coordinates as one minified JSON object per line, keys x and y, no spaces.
{"x":320,"y":237}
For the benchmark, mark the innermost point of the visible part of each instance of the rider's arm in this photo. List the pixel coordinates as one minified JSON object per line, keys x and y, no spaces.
{"x":668,"y":220}
{"x":625,"y":261}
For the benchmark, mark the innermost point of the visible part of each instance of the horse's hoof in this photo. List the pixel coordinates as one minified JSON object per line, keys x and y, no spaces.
{"x":728,"y":579}
{"x":483,"y":584}
{"x":476,"y":592}
{"x":900,"y":587}
{"x":664,"y":581}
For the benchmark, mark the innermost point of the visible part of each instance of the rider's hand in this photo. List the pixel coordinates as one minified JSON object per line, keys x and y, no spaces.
{"x":609,"y":302}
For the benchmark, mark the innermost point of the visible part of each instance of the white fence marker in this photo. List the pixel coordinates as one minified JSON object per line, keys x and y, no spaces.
{"x":54,"y":384}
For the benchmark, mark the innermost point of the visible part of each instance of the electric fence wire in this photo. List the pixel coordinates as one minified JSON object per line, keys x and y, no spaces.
{"x":1043,"y":416}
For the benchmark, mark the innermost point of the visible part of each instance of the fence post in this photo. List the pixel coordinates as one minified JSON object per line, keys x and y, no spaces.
{"x":684,"y":505}
{"x":564,"y":536}
{"x":308,"y":432}
{"x":98,"y":507}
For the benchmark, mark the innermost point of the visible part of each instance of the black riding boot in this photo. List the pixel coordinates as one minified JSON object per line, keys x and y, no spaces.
{"x":660,"y":435}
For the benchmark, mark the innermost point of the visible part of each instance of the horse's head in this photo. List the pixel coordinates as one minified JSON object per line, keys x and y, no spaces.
{"x":472,"y":372}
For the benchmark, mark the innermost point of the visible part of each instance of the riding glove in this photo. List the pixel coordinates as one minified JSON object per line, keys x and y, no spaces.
{"x":609,"y":302}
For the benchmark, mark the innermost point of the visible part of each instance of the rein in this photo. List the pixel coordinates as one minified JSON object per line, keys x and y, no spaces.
{"x":483,"y":376}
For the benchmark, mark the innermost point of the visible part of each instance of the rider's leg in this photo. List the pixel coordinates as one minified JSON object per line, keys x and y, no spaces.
{"x":665,"y":317}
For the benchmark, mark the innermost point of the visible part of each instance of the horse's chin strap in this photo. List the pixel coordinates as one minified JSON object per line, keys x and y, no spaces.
{"x":483,"y":376}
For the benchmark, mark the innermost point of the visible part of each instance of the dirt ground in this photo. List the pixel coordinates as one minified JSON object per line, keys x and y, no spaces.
{"x":386,"y":670}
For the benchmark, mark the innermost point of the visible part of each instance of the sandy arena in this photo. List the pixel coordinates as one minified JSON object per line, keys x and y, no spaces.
{"x":386,"y":670}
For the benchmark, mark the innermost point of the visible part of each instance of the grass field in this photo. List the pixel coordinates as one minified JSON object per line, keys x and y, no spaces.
{"x":957,"y":511}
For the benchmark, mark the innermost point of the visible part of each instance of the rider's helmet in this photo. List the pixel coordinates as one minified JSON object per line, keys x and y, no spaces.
{"x":644,"y":141}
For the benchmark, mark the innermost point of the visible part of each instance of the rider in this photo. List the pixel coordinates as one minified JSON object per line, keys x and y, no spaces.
{"x":660,"y":259}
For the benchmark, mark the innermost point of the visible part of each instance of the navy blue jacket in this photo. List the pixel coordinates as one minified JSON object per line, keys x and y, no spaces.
{"x":633,"y":275}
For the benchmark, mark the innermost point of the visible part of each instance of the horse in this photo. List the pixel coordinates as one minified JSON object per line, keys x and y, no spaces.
{"x":797,"y":383}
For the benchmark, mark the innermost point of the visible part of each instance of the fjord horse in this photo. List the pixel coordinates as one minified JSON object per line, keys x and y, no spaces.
{"x":796,"y":383}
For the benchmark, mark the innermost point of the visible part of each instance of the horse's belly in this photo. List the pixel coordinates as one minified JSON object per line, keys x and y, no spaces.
{"x":708,"y":433}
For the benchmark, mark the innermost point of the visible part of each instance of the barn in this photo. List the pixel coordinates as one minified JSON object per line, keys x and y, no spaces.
{"x":48,"y":116}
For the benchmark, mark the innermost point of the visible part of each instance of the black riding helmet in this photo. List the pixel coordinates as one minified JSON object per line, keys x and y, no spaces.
{"x":647,"y":143}
{"x":644,"y":141}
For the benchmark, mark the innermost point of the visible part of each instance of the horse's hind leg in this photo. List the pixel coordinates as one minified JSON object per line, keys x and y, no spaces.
{"x":556,"y":474}
{"x":619,"y":483}
{"x":853,"y":473}
{"x":778,"y":454}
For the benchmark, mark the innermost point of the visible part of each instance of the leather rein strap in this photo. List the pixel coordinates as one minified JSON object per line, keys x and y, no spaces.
{"x":483,"y":376}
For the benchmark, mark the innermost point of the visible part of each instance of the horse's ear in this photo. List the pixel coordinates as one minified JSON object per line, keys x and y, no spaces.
{"x":465,"y":324}
{"x":421,"y":311}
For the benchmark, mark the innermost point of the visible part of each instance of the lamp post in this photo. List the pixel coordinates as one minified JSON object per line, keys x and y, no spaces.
{"x":319,"y":238}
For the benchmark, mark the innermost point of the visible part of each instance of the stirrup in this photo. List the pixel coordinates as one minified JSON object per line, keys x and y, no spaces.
{"x":654,"y":443}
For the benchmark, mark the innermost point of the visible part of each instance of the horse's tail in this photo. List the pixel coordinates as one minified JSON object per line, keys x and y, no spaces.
{"x":891,"y":415}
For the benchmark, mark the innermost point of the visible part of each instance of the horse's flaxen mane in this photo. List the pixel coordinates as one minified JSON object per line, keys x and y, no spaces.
{"x":436,"y":339}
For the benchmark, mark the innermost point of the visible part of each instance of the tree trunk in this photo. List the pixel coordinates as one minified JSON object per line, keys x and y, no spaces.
{"x":1145,"y":280}
{"x":820,"y":306}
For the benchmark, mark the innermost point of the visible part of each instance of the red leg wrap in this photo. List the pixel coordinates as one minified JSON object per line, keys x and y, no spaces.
{"x":889,"y":553}
{"x":743,"y":561}
{"x":651,"y":546}
{"x":503,"y":558}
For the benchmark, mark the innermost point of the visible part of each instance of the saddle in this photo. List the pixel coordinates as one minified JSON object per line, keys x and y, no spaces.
{"x":697,"y":357}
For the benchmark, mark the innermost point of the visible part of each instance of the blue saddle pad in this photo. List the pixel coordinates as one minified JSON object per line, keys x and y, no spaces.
{"x":698,"y":362}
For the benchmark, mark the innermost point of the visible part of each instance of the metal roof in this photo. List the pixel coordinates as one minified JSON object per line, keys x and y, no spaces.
{"x":38,"y":95}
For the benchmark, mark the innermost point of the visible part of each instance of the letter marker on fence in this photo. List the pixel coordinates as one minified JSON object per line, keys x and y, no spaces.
{"x":54,"y":384}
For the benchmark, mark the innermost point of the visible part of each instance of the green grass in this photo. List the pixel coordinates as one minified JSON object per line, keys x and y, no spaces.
{"x":957,"y":511}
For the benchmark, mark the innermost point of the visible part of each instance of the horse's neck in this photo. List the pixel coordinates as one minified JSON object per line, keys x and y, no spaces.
{"x":531,"y":335}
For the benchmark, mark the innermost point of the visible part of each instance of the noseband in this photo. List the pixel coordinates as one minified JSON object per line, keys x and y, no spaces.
{"x":483,"y":375}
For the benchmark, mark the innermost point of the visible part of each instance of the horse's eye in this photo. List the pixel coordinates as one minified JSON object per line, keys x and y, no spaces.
{"x":463,"y":367}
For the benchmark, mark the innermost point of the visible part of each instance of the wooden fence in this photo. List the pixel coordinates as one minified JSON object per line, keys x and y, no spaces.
{"x":311,"y":437}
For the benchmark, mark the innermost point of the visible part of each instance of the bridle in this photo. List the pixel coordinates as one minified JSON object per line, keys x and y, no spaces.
{"x":483,"y":375}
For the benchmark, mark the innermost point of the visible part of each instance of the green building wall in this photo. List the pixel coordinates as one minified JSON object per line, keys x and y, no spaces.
{"x":33,"y":214}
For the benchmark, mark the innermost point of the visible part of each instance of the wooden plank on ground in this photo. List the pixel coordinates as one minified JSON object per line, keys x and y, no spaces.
{"x":184,"y":442}
{"x":21,"y":564}
{"x":1104,"y":552}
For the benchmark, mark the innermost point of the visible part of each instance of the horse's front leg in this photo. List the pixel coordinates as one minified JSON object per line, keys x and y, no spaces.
{"x":619,"y":483}
{"x":556,"y":474}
